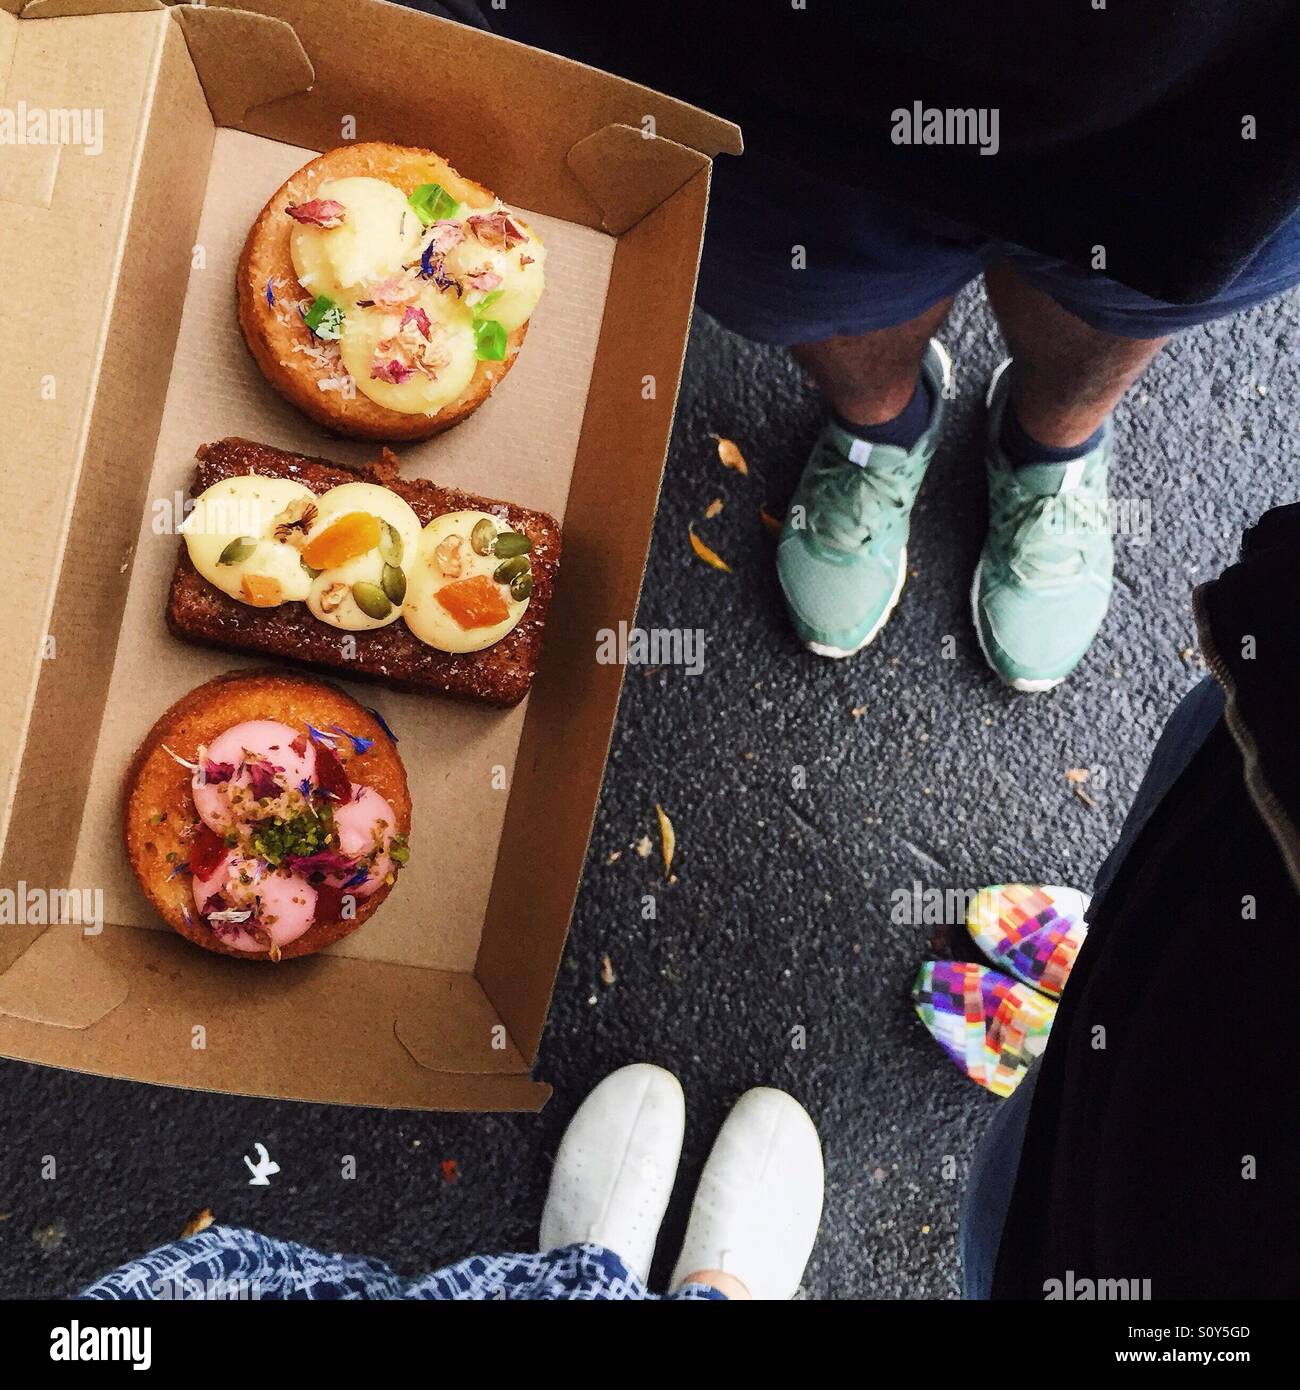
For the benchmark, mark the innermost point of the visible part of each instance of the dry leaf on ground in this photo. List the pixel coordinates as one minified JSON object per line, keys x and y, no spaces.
{"x":713,"y":509}
{"x":201,"y":1222}
{"x":710,"y":557}
{"x":667,"y":839}
{"x":729,"y":453}
{"x":607,"y":976}
{"x":643,"y":846}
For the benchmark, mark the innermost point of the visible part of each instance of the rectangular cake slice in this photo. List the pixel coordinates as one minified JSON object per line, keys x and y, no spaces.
{"x":499,"y":675}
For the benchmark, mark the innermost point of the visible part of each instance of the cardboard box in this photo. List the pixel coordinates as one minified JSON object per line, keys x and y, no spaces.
{"x":122,"y":355}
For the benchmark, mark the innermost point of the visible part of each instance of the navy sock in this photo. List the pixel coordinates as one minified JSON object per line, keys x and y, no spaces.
{"x":904,"y":429}
{"x":1022,"y":448}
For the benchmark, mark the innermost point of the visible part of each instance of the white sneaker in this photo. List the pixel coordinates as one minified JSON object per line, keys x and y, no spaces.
{"x":759,"y":1201}
{"x":616,"y":1166}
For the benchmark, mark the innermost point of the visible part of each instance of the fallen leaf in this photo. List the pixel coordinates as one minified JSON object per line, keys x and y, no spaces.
{"x":858,"y":711}
{"x":730,"y":455}
{"x":450,"y":1170}
{"x":713,"y":509}
{"x":613,"y":856}
{"x":772,"y":523}
{"x":1077,"y":774}
{"x":644,"y":846}
{"x":201,"y":1222}
{"x":710,"y":557}
{"x":607,"y":976}
{"x":667,"y":840}
{"x":1083,"y":796}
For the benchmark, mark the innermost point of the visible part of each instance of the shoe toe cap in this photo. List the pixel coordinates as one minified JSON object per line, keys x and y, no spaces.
{"x":834,"y":600}
{"x":1032,"y":635}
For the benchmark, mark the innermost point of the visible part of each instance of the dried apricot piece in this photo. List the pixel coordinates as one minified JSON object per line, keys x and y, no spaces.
{"x":475,"y":602}
{"x":261,"y":590}
{"x":351,"y":535}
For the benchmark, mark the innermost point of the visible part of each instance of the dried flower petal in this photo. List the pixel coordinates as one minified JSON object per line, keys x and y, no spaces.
{"x":318,"y":212}
{"x":710,"y":557}
{"x":392,"y":371}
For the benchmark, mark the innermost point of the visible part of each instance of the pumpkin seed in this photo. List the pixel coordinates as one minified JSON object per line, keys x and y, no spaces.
{"x":511,"y":543}
{"x":511,"y":568}
{"x":390,"y":543}
{"x":482,"y":537}
{"x":394,"y":583}
{"x":371,"y":599}
{"x":521,"y":586}
{"x":239,"y":549}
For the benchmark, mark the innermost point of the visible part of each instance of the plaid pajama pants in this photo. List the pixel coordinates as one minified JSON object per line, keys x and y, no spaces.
{"x":228,"y":1262}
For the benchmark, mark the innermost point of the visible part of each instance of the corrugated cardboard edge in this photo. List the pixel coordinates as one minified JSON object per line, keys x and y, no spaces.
{"x":68,"y":9}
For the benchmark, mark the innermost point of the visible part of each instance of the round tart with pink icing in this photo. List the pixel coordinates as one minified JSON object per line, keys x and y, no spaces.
{"x":267,"y":816}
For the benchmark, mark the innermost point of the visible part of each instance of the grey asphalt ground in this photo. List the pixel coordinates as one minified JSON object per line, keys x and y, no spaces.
{"x":804,"y":794}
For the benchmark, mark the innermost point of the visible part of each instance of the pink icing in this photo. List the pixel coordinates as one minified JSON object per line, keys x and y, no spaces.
{"x":286,"y":902}
{"x":359,"y":824}
{"x":258,"y":755}
{"x":263,"y":738}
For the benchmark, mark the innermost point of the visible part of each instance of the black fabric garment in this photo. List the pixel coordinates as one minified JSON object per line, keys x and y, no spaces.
{"x":1118,"y":127}
{"x":1164,"y":1146}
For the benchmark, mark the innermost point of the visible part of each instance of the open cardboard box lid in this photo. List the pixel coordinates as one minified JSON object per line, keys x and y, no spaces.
{"x":122,"y":356}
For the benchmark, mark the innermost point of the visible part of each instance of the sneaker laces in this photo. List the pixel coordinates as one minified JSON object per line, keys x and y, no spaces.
{"x":848,"y":504}
{"x":1050,"y":534}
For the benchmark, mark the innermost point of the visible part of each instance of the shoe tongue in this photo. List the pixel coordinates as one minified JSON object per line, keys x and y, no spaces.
{"x":1049,"y":479}
{"x":861,"y":451}
{"x":855,"y":450}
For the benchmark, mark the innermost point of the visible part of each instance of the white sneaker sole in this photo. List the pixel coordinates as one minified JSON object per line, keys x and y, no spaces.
{"x":839,"y":653}
{"x":1029,"y":687}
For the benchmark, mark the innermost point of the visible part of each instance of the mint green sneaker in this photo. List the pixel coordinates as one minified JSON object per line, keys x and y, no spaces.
{"x":1043,"y":581}
{"x":842,"y":557}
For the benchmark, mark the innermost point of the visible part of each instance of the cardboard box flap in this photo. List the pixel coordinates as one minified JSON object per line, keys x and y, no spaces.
{"x":220,"y":44}
{"x":483,"y":102}
{"x":629,"y":175}
{"x":208,"y":1023}
{"x":36,"y":986}
{"x":469,"y":1039}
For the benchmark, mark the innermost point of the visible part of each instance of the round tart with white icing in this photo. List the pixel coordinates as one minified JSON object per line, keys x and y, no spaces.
{"x":385,"y":295}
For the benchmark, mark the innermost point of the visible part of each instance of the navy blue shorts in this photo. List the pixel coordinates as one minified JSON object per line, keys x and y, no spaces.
{"x":873,"y":262}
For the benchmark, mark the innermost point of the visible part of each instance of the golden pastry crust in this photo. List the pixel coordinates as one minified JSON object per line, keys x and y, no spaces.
{"x":158,"y":808}
{"x":273,"y":330}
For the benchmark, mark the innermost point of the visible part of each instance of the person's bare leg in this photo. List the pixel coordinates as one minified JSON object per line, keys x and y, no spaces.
{"x":1067,"y":377}
{"x":870,"y":379}
{"x":718,"y":1279}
